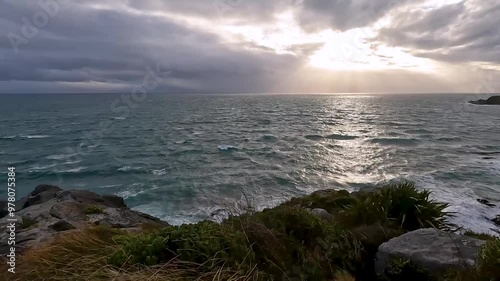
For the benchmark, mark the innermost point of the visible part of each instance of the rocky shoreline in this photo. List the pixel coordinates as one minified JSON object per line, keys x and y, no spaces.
{"x":49,"y":211}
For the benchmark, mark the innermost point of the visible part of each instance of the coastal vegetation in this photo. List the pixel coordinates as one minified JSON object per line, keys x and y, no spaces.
{"x":288,"y":242}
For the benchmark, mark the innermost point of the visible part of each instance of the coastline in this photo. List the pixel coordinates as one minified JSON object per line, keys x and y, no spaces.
{"x":371,"y":234}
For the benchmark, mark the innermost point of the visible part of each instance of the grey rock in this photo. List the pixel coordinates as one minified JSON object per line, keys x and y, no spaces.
{"x":88,"y":197}
{"x":322,"y":213}
{"x":117,"y":201}
{"x":45,"y":188}
{"x":431,"y":249}
{"x":56,"y":211}
{"x":120,"y":218}
{"x":41,"y":194}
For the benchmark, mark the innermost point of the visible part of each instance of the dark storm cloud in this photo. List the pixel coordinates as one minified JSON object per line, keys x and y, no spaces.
{"x":461,"y":32}
{"x":83,"y":44}
{"x":97,"y":45}
{"x":343,"y":14}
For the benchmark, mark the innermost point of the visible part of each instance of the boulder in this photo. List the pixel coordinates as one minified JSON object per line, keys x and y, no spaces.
{"x":495,"y":100}
{"x":431,"y":249}
{"x":322,"y":213}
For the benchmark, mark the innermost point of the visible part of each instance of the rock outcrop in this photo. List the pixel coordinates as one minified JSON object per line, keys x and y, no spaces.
{"x":49,"y":210}
{"x":431,"y":249}
{"x":495,"y":100}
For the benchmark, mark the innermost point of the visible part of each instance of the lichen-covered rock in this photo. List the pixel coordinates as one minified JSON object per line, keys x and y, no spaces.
{"x":431,"y":249}
{"x":51,"y":211}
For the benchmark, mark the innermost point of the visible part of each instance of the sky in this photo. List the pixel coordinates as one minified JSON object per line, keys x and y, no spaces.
{"x":250,"y":46}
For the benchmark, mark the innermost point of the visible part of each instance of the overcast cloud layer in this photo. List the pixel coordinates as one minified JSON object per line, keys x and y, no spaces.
{"x":249,"y":45}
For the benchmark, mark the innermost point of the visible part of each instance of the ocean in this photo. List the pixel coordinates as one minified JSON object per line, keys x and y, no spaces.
{"x":186,"y":158}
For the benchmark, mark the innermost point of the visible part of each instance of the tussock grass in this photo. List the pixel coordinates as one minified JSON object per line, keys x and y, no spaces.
{"x":402,"y":204}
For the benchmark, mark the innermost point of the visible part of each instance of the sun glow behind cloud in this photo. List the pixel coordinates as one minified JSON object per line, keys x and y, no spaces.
{"x":351,"y":50}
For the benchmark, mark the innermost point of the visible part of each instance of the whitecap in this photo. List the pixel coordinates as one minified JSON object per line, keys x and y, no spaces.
{"x":468,"y":213}
{"x":72,"y":162}
{"x":9,"y":137}
{"x":75,"y":170}
{"x":110,"y":185}
{"x":226,"y":147}
{"x":160,"y":172}
{"x":43,"y":167}
{"x":35,"y":136}
{"x":124,"y":168}
{"x":119,"y":118}
{"x":126,"y":194}
{"x":60,"y":156}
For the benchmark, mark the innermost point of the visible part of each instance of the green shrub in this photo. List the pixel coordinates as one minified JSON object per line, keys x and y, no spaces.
{"x":207,"y":241}
{"x":330,"y":200}
{"x":289,"y":239}
{"x":197,"y":243}
{"x":147,"y":249}
{"x":94,"y":209}
{"x":402,"y":204}
{"x":489,"y":260}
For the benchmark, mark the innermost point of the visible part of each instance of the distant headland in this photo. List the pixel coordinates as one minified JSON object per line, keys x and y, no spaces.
{"x":495,"y":100}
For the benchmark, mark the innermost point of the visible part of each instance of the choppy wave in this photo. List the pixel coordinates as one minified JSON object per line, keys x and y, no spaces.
{"x":341,"y":137}
{"x":314,"y":137}
{"x":72,"y":171}
{"x":160,"y":172}
{"x":395,"y":141}
{"x":269,"y":138}
{"x":195,"y":150}
{"x":61,"y":156}
{"x":35,"y":136}
{"x":41,"y":167}
{"x":226,"y":147}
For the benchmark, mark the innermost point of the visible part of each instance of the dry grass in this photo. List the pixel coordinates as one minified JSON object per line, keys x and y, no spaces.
{"x":83,"y":255}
